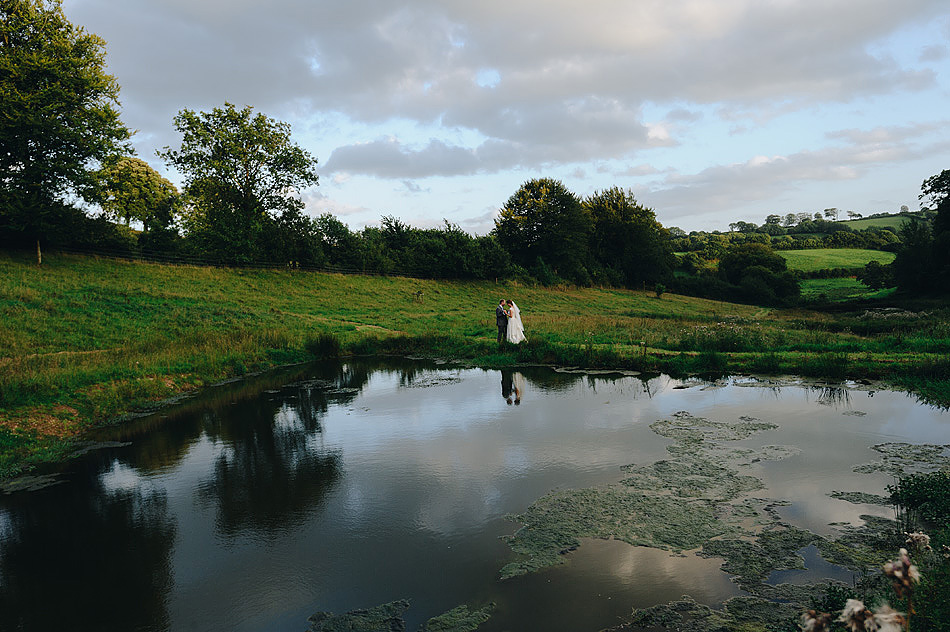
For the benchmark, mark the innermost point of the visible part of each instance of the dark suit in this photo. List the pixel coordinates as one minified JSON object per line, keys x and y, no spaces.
{"x":501,"y":319}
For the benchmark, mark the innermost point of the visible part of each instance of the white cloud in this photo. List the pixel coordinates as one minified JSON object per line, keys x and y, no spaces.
{"x":428,"y":89}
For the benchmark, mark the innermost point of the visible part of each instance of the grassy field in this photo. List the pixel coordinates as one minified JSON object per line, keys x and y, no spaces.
{"x":892,"y":222}
{"x":84,"y":340}
{"x":822,"y":258}
{"x":836,"y":290}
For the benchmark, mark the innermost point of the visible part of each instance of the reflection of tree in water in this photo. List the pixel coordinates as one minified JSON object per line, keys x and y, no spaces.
{"x":273,"y":472}
{"x":78,"y":556}
{"x":832,"y":395}
{"x":546,"y":379}
{"x":161,"y":441}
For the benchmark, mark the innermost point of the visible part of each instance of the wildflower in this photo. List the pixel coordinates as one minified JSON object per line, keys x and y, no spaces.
{"x":857,"y":617}
{"x":889,"y":620}
{"x":919,"y":541}
{"x":945,"y":551}
{"x":903,"y":574}
{"x":814,"y":621}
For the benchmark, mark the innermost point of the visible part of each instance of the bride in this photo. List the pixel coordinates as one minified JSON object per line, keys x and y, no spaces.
{"x":515,"y":326}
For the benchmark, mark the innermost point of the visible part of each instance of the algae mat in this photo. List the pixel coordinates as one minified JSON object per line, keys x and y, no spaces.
{"x":701,"y":500}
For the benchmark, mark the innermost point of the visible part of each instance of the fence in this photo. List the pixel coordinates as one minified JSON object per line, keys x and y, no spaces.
{"x":190,"y":260}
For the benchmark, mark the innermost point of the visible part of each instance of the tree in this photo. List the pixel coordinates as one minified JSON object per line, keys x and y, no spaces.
{"x":239,"y":170}
{"x":545,"y":221}
{"x":913,"y":266}
{"x":876,"y":275}
{"x":830,"y":213}
{"x":935,"y":188}
{"x":59,"y":117}
{"x":738,"y":259}
{"x":626,"y":238}
{"x":131,"y":190}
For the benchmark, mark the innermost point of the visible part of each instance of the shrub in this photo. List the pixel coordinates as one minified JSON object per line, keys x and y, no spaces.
{"x":926,"y":495}
{"x":723,"y":337}
{"x":323,"y":346}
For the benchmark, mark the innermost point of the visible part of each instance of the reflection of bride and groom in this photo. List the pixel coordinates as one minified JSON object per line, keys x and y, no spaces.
{"x":512,"y":386}
{"x":508,"y":319}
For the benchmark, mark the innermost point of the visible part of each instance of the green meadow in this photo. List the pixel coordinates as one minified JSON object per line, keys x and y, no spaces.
{"x":83,"y":340}
{"x":891,"y":222}
{"x":822,"y":258}
{"x":843,"y":289}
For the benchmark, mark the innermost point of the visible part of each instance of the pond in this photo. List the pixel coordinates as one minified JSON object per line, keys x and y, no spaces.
{"x":343,"y":486}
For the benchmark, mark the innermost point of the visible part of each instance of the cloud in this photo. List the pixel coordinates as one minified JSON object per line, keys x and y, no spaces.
{"x":496,"y":91}
{"x":316,"y":204}
{"x":390,"y":159}
{"x":555,"y":82}
{"x":766,"y":178}
{"x":638,"y":170}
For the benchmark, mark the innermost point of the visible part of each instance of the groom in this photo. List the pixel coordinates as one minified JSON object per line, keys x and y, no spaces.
{"x":501,"y":319}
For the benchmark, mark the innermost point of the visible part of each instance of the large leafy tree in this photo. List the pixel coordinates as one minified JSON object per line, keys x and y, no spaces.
{"x":545,"y":224}
{"x":58,"y":117}
{"x":242,"y":172}
{"x":923,"y":259}
{"x":936,"y":189}
{"x":627,"y":239}
{"x":739,"y":258}
{"x":131,"y":190}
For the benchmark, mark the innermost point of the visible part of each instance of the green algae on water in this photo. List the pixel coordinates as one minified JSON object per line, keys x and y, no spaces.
{"x":460,"y":619}
{"x":674,"y":504}
{"x":739,"y":614}
{"x":860,"y":498}
{"x":384,"y":618}
{"x":898,"y":459}
{"x":388,"y":617}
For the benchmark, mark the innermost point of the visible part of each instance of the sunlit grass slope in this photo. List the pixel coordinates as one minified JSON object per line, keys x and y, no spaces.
{"x":822,"y":258}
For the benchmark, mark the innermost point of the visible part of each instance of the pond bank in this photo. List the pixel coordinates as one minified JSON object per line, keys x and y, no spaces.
{"x":34,"y":434}
{"x":84,"y":341}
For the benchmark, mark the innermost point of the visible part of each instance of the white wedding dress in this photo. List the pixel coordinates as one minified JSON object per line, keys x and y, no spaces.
{"x":515,"y":326}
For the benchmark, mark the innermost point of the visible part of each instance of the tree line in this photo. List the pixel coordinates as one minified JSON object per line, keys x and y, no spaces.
{"x":64,"y":151}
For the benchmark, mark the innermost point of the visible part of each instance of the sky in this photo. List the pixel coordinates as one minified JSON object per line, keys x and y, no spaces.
{"x":709,"y":111}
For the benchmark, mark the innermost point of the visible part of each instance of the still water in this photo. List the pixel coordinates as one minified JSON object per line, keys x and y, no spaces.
{"x":344,"y":486}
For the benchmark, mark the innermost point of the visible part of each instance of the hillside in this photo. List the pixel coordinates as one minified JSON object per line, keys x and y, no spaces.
{"x":822,"y":258}
{"x":892,"y":222}
{"x":85,"y":339}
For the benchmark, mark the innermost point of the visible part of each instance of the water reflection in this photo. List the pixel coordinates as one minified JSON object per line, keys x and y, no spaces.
{"x":513,"y":385}
{"x":268,"y":477}
{"x":506,"y":384}
{"x":342,"y":485}
{"x":832,"y":395}
{"x":84,"y":557}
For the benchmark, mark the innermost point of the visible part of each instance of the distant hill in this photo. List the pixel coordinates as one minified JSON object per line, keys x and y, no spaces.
{"x":892,"y":222}
{"x":821,"y":258}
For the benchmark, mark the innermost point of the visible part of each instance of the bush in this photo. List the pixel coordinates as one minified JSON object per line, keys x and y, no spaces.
{"x":323,"y":346}
{"x":924,"y":495}
{"x":723,"y":337}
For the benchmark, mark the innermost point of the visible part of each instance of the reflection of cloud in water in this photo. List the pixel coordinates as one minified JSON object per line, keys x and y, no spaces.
{"x":455,"y":509}
{"x":6,"y":525}
{"x":655,"y":573}
{"x":122,"y":478}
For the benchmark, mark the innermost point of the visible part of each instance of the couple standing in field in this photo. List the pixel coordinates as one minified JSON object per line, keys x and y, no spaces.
{"x":508,"y":319}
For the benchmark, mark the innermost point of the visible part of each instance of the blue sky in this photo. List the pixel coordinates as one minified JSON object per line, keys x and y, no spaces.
{"x":710,"y":111}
